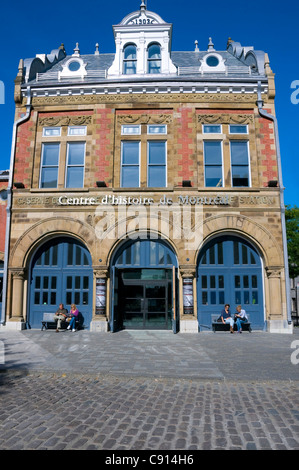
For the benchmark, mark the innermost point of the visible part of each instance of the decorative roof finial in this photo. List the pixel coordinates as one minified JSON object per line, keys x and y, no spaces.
{"x":142,"y":6}
{"x":211,"y":45}
{"x":77,"y":50}
{"x":96,"y":52}
{"x":196,"y":46}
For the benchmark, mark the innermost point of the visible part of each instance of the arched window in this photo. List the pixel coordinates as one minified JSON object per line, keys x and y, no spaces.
{"x":154,"y":58}
{"x":130,"y":59}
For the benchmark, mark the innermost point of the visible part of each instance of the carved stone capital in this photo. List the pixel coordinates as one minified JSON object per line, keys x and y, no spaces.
{"x":273,"y":272}
{"x":101,"y":272}
{"x":188,"y":271}
{"x":18,"y":273}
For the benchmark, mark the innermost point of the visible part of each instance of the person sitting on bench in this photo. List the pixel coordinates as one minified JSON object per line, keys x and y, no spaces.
{"x":74,"y":313}
{"x":60,"y":316}
{"x":226,"y":317}
{"x":241,"y":318}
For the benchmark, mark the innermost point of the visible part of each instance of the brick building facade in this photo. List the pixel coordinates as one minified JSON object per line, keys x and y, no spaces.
{"x":147,"y":185}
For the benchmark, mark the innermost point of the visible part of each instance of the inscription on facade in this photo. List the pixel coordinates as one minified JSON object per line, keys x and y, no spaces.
{"x":127,"y":200}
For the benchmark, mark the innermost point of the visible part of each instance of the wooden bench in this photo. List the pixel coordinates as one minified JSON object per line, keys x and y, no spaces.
{"x":48,"y":322}
{"x":219,"y":326}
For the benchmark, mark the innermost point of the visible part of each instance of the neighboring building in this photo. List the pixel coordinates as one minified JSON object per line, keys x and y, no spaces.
{"x":4,"y":176}
{"x":147,"y":186}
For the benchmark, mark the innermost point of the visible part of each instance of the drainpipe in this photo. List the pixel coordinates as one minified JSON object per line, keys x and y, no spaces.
{"x":9,"y":201}
{"x":265,"y":114}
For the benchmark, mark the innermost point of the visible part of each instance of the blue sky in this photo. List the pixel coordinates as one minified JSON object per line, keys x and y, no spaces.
{"x":39,"y":27}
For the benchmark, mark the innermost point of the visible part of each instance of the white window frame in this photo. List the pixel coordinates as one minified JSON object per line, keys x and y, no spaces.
{"x":238,"y":125}
{"x":161,"y":126}
{"x":82,"y":128}
{"x":211,"y":125}
{"x":136,"y":127}
{"x":51,"y":128}
{"x":249,"y":166}
{"x":222,"y":165}
{"x":148,"y":165}
{"x":122,"y":165}
{"x":67,"y":166}
{"x":47,"y":166}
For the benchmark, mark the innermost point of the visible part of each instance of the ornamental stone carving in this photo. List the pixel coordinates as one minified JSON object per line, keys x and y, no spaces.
{"x":65,"y":121}
{"x":145,"y":119}
{"x":225,"y":118}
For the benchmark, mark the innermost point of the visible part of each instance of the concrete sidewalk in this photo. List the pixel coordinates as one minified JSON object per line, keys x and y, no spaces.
{"x":221,"y":356}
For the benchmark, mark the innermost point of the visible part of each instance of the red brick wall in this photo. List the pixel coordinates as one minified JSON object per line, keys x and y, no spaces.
{"x":268,"y":161}
{"x":186,"y":144}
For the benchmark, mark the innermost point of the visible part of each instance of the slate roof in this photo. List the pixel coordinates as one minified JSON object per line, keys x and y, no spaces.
{"x":98,"y":65}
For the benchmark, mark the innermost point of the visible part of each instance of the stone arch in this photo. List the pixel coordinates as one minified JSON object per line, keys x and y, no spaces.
{"x":246,"y":228}
{"x":45,"y":229}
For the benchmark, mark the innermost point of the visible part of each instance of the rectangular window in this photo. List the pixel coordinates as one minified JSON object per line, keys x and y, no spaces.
{"x":238,"y":129}
{"x":213,"y":163}
{"x":131,"y":130}
{"x":154,"y":130}
{"x":77,"y":130}
{"x":51,"y":131}
{"x":75,"y":165}
{"x":130,"y":162}
{"x":156,"y":164}
{"x":211,"y":129}
{"x":49,"y":165}
{"x":240,"y":163}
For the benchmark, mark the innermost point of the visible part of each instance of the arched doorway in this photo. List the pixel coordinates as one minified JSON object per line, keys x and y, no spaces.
{"x":229,"y":271}
{"x":144,"y":284}
{"x":60,"y":272}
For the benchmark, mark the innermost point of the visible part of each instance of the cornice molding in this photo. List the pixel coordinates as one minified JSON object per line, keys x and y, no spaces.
{"x":145,"y":98}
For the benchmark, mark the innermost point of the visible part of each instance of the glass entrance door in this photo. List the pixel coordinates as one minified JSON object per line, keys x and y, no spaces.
{"x":144,"y":303}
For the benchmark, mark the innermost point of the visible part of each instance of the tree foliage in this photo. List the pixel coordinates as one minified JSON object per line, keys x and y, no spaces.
{"x":292,"y":227}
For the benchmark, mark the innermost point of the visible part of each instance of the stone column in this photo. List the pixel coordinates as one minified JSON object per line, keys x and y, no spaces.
{"x":276,"y":323}
{"x":99,"y":320}
{"x":188,"y":318}
{"x":16,"y":320}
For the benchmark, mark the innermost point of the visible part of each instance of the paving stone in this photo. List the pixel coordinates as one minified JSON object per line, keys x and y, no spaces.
{"x":204,"y":403}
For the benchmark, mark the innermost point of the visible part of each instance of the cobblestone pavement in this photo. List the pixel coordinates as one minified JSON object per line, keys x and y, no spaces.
{"x":148,"y":391}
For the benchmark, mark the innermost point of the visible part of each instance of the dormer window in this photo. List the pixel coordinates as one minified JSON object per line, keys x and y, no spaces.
{"x":154,"y":58}
{"x":142,"y":42}
{"x":130,"y":59}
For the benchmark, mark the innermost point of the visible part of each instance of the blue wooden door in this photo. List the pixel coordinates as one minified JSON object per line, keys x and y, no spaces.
{"x":60,"y":273}
{"x":229,"y":271}
{"x":1,"y":291}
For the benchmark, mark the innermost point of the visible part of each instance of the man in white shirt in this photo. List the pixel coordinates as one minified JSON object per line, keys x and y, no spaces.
{"x":241,"y":318}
